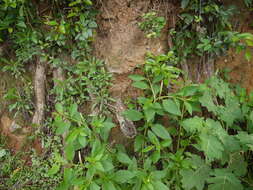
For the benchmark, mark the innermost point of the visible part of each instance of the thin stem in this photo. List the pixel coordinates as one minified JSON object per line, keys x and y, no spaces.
{"x":180,"y":127}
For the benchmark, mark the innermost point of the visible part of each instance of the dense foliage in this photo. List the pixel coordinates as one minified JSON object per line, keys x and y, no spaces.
{"x":190,"y":136}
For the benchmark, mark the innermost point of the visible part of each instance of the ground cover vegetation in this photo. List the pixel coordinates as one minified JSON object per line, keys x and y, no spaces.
{"x":198,"y":136}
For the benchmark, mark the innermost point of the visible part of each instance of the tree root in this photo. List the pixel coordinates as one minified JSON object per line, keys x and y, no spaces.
{"x":127,"y":127}
{"x":39,"y":89}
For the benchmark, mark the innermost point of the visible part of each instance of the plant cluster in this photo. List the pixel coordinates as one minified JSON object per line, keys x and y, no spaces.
{"x":205,"y":29}
{"x":152,"y":24}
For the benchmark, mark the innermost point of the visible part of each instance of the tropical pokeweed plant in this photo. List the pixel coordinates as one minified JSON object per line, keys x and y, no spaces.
{"x":199,"y":134}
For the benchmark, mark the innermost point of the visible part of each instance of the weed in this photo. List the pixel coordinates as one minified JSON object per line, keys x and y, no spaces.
{"x":152,"y":24}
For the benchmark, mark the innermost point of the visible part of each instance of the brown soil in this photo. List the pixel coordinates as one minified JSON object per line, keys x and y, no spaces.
{"x":241,"y":70}
{"x":18,"y":136}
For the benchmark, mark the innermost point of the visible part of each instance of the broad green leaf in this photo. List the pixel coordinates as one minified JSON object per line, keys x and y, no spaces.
{"x":107,"y":165}
{"x":211,"y":146}
{"x":105,"y":131}
{"x":161,"y":132}
{"x":3,"y":152}
{"x":83,"y":141}
{"x":59,"y":107}
{"x":138,"y":143}
{"x":193,"y":125}
{"x":94,"y":186}
{"x":70,"y":151}
{"x":231,"y":112}
{"x":133,"y":115}
{"x":141,"y":85}
{"x":123,"y":176}
{"x":136,"y":77}
{"x":149,"y":114}
{"x":88,"y":2}
{"x":99,"y":166}
{"x":153,"y":139}
{"x":108,"y":185}
{"x":245,"y":139}
{"x":184,"y":3}
{"x":124,"y":158}
{"x":171,"y":107}
{"x":55,"y":168}
{"x":62,"y":127}
{"x":160,"y":185}
{"x":207,"y":101}
{"x":155,"y":156}
{"x":188,"y":107}
{"x":158,"y":174}
{"x":195,"y":177}
{"x":223,"y":179}
{"x":68,"y":175}
{"x":73,"y":110}
{"x":237,"y":164}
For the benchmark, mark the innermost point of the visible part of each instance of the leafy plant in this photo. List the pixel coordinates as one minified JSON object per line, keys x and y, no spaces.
{"x":152,"y":24}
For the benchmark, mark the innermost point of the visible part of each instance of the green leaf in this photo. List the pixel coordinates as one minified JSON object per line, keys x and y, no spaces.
{"x":149,"y":114}
{"x":108,"y":185}
{"x":88,"y":2}
{"x":207,"y":101}
{"x":193,"y":125}
{"x":68,"y":175}
{"x":246,"y":140}
{"x":70,"y":151}
{"x":105,"y":131}
{"x":188,"y":107}
{"x":59,"y":107}
{"x":62,"y":127}
{"x":248,"y":55}
{"x":160,"y":185}
{"x":94,"y":186}
{"x":107,"y":165}
{"x":223,"y":179}
{"x":211,"y":146}
{"x":133,"y":115}
{"x":123,"y":176}
{"x":231,"y":112}
{"x":237,"y":164}
{"x":155,"y":156}
{"x":55,"y":168}
{"x":153,"y":139}
{"x":171,"y":107}
{"x":136,"y":77}
{"x":124,"y":158}
{"x":184,"y":3}
{"x":138,"y":142}
{"x":148,"y":148}
{"x":141,"y":85}
{"x":197,"y":176}
{"x":161,"y":132}
{"x":2,"y":153}
{"x":73,"y":110}
{"x":99,"y":166}
{"x":83,"y":141}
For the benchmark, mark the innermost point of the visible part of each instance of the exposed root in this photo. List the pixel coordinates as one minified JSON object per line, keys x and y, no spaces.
{"x":39,"y":88}
{"x":126,"y":126}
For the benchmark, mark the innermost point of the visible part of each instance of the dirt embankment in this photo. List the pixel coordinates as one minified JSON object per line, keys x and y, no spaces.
{"x":240,"y":70}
